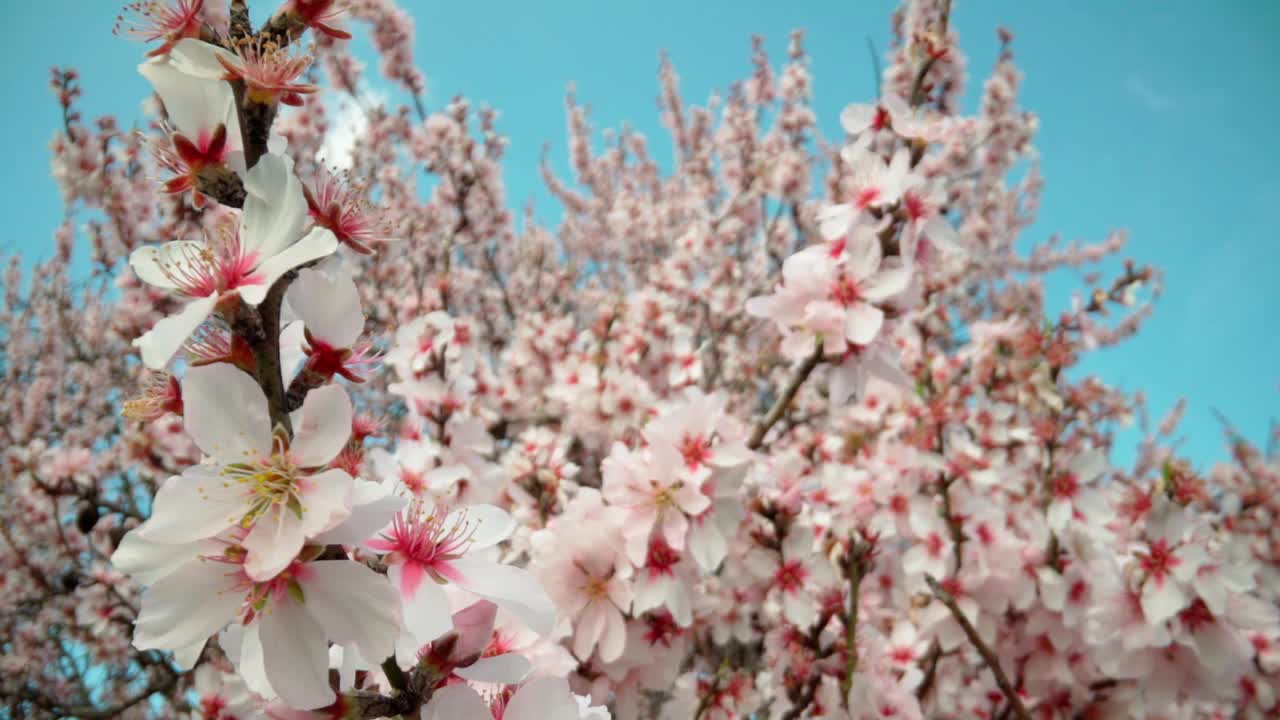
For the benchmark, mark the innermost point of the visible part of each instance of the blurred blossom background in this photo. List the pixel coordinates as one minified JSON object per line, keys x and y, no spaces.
{"x":1155,"y":118}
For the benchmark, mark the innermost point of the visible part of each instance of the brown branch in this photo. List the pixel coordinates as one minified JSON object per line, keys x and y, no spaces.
{"x":988,"y":656}
{"x":783,"y":402}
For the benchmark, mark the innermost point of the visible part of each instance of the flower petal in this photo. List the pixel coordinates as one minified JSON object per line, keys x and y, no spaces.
{"x":193,"y":506}
{"x":274,"y":207}
{"x":489,"y":524}
{"x":354,"y":604}
{"x":542,"y":699}
{"x":316,"y":244}
{"x":862,"y":322}
{"x":427,"y":612}
{"x":155,"y":264}
{"x":456,"y":702}
{"x":507,"y":669}
{"x":195,"y":105}
{"x":166,"y":337}
{"x":187,"y":606}
{"x":322,"y":428}
{"x":273,"y":543}
{"x":226,"y":413}
{"x":329,"y":304}
{"x":511,"y":588}
{"x":296,"y":655}
{"x":372,"y":508}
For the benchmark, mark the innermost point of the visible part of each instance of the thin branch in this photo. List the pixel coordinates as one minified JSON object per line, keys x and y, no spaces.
{"x":783,"y":402}
{"x":988,"y":656}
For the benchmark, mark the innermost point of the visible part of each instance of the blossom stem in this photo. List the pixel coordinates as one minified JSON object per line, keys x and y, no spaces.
{"x":988,"y":656}
{"x":856,"y":568}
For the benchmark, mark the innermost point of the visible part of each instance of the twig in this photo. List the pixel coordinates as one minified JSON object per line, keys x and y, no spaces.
{"x":784,"y":400}
{"x":988,"y":656}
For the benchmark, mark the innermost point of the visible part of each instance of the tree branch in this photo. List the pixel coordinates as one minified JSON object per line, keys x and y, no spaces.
{"x":784,"y":400}
{"x":988,"y":656}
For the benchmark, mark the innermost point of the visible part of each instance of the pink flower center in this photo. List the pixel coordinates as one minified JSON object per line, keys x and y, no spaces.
{"x":1159,"y":561}
{"x":661,"y":558}
{"x":866,"y":197}
{"x":791,"y":576}
{"x":696,"y":450}
{"x":1066,"y":486}
{"x":845,"y":291}
{"x":426,"y":542}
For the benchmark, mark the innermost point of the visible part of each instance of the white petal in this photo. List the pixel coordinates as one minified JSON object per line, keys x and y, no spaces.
{"x":542,"y":699}
{"x":707,"y":545}
{"x":250,"y":663}
{"x":314,"y":245}
{"x":1162,"y":600}
{"x":154,"y":264}
{"x":199,"y":59}
{"x":1088,"y":465}
{"x":863,"y":252}
{"x":508,"y":669}
{"x":857,"y":118}
{"x":194,"y":105}
{"x":193,"y":506}
{"x":295,"y":655}
{"x":323,"y":427}
{"x":326,"y":501}
{"x":355,"y":605}
{"x":226,"y":413}
{"x":273,"y":543}
{"x":862,"y":322}
{"x":1060,"y":512}
{"x":892,"y":279}
{"x":587,"y":629}
{"x":372,"y":508}
{"x":513,"y":589}
{"x":614,"y":638}
{"x":166,"y":337}
{"x":187,"y":606}
{"x":148,"y":561}
{"x":489,"y":524}
{"x":329,"y":304}
{"x":456,"y":702}
{"x":427,"y":612}
{"x":291,"y":352}
{"x":274,"y":207}
{"x":834,"y":221}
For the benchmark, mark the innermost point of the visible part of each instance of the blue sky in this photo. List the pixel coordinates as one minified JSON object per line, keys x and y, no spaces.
{"x":1158,"y":118}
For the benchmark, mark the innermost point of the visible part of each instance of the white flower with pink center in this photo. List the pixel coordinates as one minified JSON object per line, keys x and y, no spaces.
{"x":287,"y":620}
{"x":654,"y":488}
{"x":833,"y":291}
{"x":232,"y":263}
{"x":1074,"y":495}
{"x":795,"y":572}
{"x":274,"y":489}
{"x":429,"y":547}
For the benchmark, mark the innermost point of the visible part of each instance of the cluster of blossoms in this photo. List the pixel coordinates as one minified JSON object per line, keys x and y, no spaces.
{"x":786,"y":429}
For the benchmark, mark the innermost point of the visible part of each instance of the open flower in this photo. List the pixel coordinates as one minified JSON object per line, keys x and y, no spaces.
{"x":152,"y":20}
{"x":654,"y":489}
{"x":1074,"y":494}
{"x":834,"y":291}
{"x":430,"y":546}
{"x":234,"y":263}
{"x":338,"y":205}
{"x":269,"y":71}
{"x":288,"y":619}
{"x":329,"y":306}
{"x":273,"y":488}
